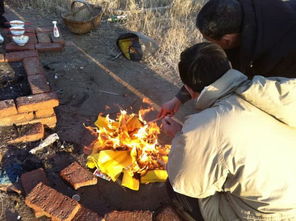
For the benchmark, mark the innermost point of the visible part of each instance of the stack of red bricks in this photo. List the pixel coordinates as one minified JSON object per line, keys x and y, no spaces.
{"x":34,"y":108}
{"x":39,"y":106}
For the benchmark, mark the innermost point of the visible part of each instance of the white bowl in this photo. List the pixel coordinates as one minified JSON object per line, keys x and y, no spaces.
{"x":17,"y":23}
{"x":17,"y":30}
{"x":20,"y":40}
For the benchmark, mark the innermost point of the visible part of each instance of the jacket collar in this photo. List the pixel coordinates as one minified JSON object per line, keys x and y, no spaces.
{"x":221,"y":87}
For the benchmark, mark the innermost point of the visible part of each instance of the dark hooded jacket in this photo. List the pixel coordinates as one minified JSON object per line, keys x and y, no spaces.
{"x":268,"y":39}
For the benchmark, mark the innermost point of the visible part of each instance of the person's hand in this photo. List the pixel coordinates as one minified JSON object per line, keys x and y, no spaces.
{"x":170,"y":127}
{"x":169,"y":108}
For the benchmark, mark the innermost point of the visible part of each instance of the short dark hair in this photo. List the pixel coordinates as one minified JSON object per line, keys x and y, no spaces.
{"x":219,"y":17}
{"x":202,"y":64}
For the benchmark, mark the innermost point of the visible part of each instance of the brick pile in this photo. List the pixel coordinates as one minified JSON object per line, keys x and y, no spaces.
{"x":39,"y":106}
{"x":25,"y":133}
{"x":29,"y":110}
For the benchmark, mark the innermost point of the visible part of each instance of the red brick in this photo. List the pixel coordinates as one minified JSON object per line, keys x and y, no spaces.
{"x":32,"y":38}
{"x":59,"y":40}
{"x":167,"y":214}
{"x":30,"y":30}
{"x":128,"y":215}
{"x":18,"y":119}
{"x":9,"y":188}
{"x":85,"y":214}
{"x":28,"y":133}
{"x":2,"y":58}
{"x":78,"y":176}
{"x":43,"y":30}
{"x":44,"y":113}
{"x":52,"y":126}
{"x":50,"y":47}
{"x":38,"y":213}
{"x":33,"y":66}
{"x":38,"y":84}
{"x":47,"y":121}
{"x":7,"y":108}
{"x":37,"y":102}
{"x":51,"y":203}
{"x":43,"y":37}
{"x":20,"y":55}
{"x":14,"y":47}
{"x":32,"y":178}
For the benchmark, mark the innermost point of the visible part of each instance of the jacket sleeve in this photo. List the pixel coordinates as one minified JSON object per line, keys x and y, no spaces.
{"x":183,"y":95}
{"x":196,"y":167}
{"x":275,"y":96}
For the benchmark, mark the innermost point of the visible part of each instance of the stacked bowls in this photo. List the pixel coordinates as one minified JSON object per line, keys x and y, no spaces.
{"x":17,"y":30}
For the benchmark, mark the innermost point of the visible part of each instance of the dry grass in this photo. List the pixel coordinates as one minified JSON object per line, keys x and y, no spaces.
{"x":170,"y":22}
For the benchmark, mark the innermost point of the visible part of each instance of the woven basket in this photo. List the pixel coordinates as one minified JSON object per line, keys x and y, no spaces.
{"x":84,"y":18}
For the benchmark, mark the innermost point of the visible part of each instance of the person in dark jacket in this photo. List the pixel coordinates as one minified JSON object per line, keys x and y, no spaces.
{"x":257,"y":36}
{"x":3,"y":20}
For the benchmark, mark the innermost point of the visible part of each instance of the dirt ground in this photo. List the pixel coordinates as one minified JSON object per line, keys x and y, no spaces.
{"x":89,"y":80}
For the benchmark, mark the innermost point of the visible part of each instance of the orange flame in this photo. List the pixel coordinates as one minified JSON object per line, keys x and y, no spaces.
{"x":143,"y":112}
{"x":130,"y":132}
{"x":146,"y":100}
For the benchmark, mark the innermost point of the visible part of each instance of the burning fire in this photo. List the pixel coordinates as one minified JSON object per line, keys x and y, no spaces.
{"x":129,"y":145}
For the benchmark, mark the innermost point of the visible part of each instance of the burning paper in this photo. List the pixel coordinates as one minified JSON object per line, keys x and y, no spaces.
{"x":129,"y":145}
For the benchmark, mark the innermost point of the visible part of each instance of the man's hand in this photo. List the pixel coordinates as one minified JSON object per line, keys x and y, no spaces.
{"x":169,"y":108}
{"x":170,"y":127}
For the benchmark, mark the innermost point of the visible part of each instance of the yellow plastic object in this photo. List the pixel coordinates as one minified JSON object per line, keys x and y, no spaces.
{"x":124,"y":45}
{"x":110,"y":162}
{"x":129,"y":181}
{"x":154,"y":176}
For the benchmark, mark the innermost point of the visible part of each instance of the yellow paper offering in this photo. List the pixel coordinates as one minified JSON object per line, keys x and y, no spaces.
{"x":129,"y":145}
{"x":129,"y":181}
{"x":154,"y":176}
{"x":110,"y":162}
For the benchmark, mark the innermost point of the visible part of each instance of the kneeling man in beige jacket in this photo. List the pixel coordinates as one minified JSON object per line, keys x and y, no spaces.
{"x":237,"y":154}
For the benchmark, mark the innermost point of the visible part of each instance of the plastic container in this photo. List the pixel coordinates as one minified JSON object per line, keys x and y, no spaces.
{"x":56,"y":32}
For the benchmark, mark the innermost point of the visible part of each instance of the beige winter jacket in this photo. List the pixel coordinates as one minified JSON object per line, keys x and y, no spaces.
{"x":238,"y":154}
